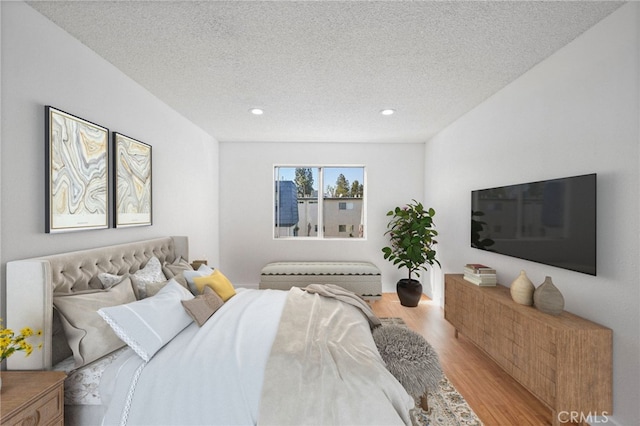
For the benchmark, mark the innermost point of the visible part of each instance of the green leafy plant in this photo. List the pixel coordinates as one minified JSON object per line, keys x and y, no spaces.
{"x":411,"y":231}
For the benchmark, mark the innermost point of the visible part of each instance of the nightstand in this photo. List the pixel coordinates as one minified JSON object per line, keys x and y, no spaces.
{"x":196,"y":264}
{"x":32,"y":398}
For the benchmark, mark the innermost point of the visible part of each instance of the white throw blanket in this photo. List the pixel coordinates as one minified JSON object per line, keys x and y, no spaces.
{"x":324,"y":369}
{"x":346,"y":296}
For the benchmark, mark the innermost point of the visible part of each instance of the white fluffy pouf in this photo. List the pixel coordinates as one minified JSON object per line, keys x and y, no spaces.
{"x":410,"y":358}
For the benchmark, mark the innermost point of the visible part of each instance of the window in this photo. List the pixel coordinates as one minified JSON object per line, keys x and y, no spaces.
{"x":304,"y":211}
{"x":345,"y":206}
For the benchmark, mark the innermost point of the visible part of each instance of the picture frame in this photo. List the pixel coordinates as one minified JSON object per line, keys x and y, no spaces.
{"x":77,"y":173}
{"x":132,"y":165}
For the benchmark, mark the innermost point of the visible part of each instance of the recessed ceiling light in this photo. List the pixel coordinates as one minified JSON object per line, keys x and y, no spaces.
{"x":256,"y":111}
{"x":387,"y":111}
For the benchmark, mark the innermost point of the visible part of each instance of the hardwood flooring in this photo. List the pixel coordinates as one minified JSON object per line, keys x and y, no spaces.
{"x":494,"y":396}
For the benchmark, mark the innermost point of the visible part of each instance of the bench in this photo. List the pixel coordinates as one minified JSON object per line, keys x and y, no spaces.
{"x":362,"y":278}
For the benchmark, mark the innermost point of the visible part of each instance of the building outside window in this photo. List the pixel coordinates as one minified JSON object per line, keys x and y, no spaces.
{"x":345,"y":206}
{"x":338,"y":210}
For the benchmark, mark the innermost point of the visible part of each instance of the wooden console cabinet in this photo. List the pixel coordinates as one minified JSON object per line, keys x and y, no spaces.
{"x":565,"y":361}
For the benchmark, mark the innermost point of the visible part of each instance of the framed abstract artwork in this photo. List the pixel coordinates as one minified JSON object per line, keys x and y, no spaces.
{"x":77,"y":175}
{"x":132,"y":183}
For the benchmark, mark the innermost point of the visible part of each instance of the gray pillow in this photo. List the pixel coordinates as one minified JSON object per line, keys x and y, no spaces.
{"x":88,"y":335}
{"x":153,"y":288}
{"x":176,"y":268}
{"x":202,"y":307}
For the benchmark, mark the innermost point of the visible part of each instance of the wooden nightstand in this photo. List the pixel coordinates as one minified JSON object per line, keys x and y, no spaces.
{"x":32,"y":398}
{"x":196,"y":264}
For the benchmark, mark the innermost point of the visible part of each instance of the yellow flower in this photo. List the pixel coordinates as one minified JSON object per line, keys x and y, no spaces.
{"x":10,"y":343}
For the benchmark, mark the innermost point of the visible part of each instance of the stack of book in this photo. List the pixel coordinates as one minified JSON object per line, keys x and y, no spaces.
{"x":479,"y":274}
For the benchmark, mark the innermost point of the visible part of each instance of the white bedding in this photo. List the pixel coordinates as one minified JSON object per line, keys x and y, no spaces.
{"x":81,"y":387}
{"x":265,"y":357}
{"x":172,"y":389}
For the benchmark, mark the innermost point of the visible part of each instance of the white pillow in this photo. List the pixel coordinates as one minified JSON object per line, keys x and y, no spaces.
{"x":151,"y":273}
{"x":149,"y":324}
{"x":202,"y":271}
{"x":206,"y":269}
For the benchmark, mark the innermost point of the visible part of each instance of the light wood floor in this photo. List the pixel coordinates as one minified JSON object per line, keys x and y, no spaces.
{"x":495,"y":397}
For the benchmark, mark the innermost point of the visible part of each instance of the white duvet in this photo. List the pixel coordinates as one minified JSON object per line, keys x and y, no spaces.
{"x":205,"y":376}
{"x":214,"y":375}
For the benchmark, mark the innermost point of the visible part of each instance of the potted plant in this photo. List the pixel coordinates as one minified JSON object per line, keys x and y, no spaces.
{"x":411,"y":231}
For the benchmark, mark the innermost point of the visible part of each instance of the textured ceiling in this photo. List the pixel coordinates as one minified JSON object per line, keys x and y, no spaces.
{"x":323,"y":70}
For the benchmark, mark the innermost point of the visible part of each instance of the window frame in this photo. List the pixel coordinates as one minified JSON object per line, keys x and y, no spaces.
{"x":320,"y":201}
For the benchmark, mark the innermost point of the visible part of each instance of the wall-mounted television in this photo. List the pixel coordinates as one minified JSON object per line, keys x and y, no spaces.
{"x":551,"y":222}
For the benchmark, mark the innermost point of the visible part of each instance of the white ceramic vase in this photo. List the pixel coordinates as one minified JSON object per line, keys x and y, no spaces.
{"x":522,"y":289}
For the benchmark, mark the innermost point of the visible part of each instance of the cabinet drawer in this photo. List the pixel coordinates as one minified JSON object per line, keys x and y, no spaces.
{"x":48,"y":410}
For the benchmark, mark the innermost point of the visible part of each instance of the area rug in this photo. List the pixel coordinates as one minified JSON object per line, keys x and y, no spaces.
{"x":446,"y":407}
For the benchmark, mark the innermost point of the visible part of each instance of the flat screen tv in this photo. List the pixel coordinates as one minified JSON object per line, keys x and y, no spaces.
{"x":551,"y":222}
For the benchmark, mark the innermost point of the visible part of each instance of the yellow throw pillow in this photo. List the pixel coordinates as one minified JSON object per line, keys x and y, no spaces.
{"x":218,"y":282}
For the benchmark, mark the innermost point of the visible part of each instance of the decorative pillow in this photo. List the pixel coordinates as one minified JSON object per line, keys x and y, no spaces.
{"x":151,"y":273}
{"x":202,"y":271}
{"x":153,"y":288}
{"x":108,"y":280}
{"x":202,"y":307}
{"x":149,"y":324}
{"x":176,"y":268}
{"x":218,"y":282}
{"x":89,"y":337}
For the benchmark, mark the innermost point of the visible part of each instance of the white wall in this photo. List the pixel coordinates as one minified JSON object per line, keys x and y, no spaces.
{"x":575,"y":113}
{"x":3,"y":290}
{"x":41,"y":64}
{"x":394,"y":176}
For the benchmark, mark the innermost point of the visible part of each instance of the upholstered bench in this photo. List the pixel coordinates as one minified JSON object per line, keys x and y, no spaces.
{"x":362,"y":278}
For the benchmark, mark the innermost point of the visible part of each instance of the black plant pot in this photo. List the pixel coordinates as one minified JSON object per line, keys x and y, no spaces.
{"x":409,"y":292}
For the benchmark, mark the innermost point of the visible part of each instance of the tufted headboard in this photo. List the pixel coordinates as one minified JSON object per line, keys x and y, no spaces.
{"x":32,"y":282}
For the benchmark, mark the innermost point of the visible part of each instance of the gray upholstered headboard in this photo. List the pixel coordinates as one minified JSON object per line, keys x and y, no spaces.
{"x":32,"y":282}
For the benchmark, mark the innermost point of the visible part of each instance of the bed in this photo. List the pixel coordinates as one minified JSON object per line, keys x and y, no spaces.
{"x":192,"y":349}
